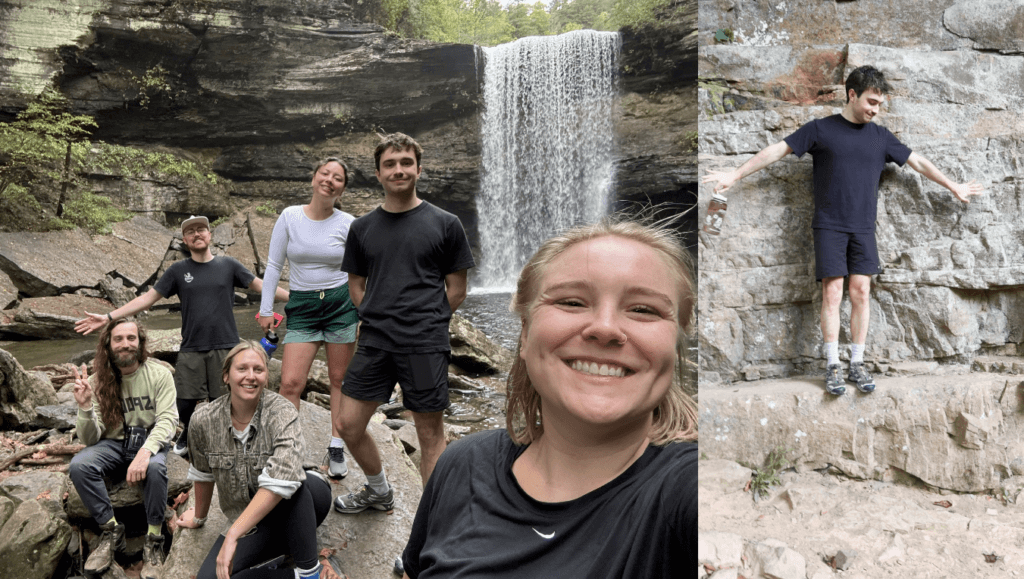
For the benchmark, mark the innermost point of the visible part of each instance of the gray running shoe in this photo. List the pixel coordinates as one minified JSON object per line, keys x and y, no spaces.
{"x":358,"y":502}
{"x":336,"y":467}
{"x":834,"y":380}
{"x":859,"y":376}
{"x":111,"y":541}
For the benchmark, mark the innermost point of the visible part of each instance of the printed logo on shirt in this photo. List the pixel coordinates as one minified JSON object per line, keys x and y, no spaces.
{"x":137,"y":403}
{"x":188,"y":278}
{"x":543,"y":536}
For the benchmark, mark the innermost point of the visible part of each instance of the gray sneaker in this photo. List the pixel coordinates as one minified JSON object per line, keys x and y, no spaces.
{"x":859,"y":376}
{"x":336,"y":467}
{"x":358,"y":502}
{"x":111,"y":541}
{"x":834,"y":380}
{"x":152,"y":556}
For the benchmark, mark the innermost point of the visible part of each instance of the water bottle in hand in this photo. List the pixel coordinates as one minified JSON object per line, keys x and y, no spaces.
{"x":269,"y":343}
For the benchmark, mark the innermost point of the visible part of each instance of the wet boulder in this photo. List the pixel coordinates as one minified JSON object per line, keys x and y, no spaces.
{"x":32,"y":541}
{"x":50,"y":317}
{"x":474,"y":351}
{"x":20,"y":393}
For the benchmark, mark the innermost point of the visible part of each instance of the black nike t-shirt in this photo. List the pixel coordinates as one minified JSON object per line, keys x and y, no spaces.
{"x":474,"y":520}
{"x":848,"y":162}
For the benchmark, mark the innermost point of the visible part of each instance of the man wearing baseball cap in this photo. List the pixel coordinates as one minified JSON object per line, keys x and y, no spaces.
{"x":205,"y":284}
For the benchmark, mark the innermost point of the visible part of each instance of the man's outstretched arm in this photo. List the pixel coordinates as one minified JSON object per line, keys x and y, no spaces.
{"x":764,"y":157}
{"x":93,"y":322}
{"x":962,"y":191}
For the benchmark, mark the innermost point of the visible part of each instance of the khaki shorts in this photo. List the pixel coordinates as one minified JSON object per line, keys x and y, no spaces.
{"x":199,"y":375}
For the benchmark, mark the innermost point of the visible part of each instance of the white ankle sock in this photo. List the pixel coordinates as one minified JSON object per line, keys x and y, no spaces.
{"x":832,"y":352}
{"x":379,"y":483}
{"x":856,"y":353}
{"x":313,"y":573}
{"x":336,"y":442}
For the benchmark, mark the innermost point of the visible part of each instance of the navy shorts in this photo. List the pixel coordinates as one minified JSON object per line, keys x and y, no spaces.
{"x":373,"y":372}
{"x":839,"y":254}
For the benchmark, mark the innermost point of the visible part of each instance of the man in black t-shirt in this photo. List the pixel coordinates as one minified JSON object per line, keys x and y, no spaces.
{"x":407,"y":263}
{"x":205,"y":284}
{"x":849,"y":154}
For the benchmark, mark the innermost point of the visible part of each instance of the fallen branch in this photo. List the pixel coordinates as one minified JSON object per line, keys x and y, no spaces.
{"x":50,"y":449}
{"x":42,"y":461}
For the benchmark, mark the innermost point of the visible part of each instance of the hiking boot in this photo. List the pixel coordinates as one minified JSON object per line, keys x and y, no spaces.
{"x":859,"y":376}
{"x":111,"y":541}
{"x":336,"y":467}
{"x":834,"y":380}
{"x":358,"y":502}
{"x":153,"y":556}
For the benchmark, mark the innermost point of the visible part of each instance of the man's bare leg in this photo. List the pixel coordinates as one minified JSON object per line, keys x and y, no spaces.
{"x":354,"y":416}
{"x":831,"y":298}
{"x":430,"y":432}
{"x":860,"y":302}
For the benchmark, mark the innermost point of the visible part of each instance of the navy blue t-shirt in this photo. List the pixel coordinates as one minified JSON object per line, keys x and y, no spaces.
{"x":848,"y":162}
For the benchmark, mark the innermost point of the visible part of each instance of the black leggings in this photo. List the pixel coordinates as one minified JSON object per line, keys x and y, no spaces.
{"x":288,"y":529}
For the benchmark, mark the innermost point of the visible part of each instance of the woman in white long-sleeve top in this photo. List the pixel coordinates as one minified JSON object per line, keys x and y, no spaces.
{"x":311,"y":238}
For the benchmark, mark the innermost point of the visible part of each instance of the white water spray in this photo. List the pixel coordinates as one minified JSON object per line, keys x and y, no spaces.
{"x":547,"y":144}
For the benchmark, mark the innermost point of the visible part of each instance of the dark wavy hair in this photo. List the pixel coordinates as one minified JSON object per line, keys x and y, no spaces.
{"x":864,"y":77}
{"x":108,"y":375}
{"x":398,"y":142}
{"x":675,"y":418}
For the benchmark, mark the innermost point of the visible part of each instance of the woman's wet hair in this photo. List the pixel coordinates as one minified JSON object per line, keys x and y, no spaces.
{"x":675,"y":418}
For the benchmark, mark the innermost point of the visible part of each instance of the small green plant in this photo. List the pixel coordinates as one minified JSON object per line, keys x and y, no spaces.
{"x":218,"y":221}
{"x":724,"y":35}
{"x":690,"y":141}
{"x":768,"y":475}
{"x":266,"y":209}
{"x":90,"y":211}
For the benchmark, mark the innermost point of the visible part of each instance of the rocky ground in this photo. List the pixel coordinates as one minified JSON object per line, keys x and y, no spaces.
{"x":884,"y":529}
{"x":866,"y":480}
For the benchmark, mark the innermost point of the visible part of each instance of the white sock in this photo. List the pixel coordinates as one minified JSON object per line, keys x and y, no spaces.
{"x":832,"y":352}
{"x":337,"y":442}
{"x":379,"y":483}
{"x":308,"y":573}
{"x":856,"y":353}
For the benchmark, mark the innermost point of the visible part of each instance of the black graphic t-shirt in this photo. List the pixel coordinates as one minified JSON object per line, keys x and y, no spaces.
{"x":474,"y":519}
{"x":207,"y":293}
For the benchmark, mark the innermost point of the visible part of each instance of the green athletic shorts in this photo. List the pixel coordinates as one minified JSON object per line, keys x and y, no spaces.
{"x":320,"y":316}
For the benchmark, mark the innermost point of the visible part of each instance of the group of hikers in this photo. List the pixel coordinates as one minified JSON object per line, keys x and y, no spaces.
{"x":594,"y":475}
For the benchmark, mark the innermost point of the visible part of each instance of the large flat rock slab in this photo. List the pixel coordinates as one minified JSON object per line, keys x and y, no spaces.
{"x":52,"y":263}
{"x":959,"y":432}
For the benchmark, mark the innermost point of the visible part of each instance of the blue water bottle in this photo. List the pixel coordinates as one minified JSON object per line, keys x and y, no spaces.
{"x":269,"y":343}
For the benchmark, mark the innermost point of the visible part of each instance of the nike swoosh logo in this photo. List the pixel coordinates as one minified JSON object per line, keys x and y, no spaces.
{"x":543,"y":536}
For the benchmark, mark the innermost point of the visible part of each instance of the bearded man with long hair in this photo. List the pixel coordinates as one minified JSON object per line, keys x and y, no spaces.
{"x":132,"y":427}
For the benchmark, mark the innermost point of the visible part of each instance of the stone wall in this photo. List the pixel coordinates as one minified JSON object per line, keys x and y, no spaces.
{"x":952,"y":273}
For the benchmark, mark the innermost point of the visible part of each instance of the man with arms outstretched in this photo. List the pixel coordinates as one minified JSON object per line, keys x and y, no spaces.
{"x":849,"y":154}
{"x":407,"y":262}
{"x":206,"y":286}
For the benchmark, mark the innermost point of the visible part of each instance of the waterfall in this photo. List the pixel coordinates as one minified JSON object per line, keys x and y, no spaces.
{"x":547,"y":144}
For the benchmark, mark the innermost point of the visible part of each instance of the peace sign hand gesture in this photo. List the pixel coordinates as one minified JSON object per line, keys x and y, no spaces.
{"x":83,"y":391}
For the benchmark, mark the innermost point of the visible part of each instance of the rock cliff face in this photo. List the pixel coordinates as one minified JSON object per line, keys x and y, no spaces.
{"x":263,"y":88}
{"x":952,"y":273}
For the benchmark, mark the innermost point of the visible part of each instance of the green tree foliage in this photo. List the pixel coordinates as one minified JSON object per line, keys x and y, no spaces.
{"x":45,"y":151}
{"x":487,"y":22}
{"x":35,"y":147}
{"x":482,"y":22}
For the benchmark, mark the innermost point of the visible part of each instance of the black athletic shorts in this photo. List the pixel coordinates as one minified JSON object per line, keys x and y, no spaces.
{"x":839,"y":254}
{"x":373,"y":372}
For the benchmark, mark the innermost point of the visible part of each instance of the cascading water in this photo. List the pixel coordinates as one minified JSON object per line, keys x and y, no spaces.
{"x":547,"y":144}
